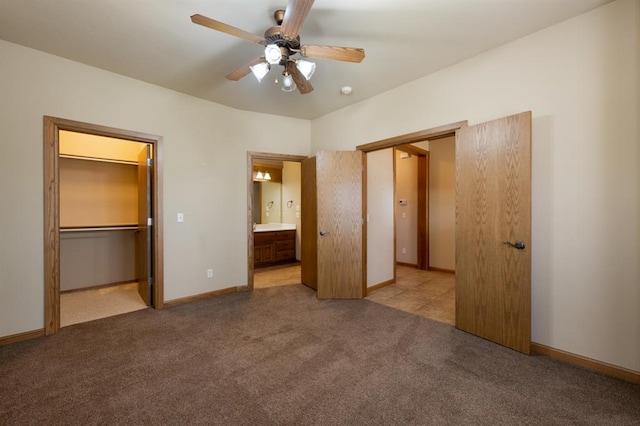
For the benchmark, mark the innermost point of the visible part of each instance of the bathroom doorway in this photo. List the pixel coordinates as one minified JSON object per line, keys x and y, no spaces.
{"x":273,"y":219}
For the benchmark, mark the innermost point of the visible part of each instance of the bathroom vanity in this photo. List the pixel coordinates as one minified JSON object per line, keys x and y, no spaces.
{"x":274,"y":244}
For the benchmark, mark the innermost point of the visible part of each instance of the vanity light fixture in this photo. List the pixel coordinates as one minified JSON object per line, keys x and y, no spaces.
{"x":263,"y":176}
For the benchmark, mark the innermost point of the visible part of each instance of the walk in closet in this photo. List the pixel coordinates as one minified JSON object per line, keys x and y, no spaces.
{"x":104,"y":203}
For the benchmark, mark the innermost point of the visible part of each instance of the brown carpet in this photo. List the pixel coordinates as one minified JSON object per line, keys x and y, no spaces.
{"x":279,"y":356}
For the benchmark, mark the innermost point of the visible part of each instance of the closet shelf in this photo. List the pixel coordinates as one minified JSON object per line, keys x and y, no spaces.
{"x":98,"y":228}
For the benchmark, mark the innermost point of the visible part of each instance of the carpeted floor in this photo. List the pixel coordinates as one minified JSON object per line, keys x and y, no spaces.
{"x":91,"y":304}
{"x":280,"y":356}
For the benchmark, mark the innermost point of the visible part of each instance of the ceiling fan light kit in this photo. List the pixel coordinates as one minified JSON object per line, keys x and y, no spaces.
{"x":288,"y":85}
{"x":307,"y":68}
{"x":260,"y":70}
{"x":272,"y":54}
{"x":281,"y":42}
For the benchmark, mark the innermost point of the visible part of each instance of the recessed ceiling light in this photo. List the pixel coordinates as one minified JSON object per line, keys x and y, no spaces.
{"x":346,"y":90}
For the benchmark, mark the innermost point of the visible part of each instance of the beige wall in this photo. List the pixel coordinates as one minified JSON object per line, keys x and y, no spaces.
{"x":90,"y":259}
{"x":95,"y":193}
{"x":205,"y":150}
{"x":380,"y":218}
{"x":580,"y":80}
{"x":406,"y":216}
{"x":442,"y":204}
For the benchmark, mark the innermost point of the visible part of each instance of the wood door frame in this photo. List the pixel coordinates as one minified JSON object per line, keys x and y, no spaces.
{"x":251,"y":157}
{"x":433,"y":133}
{"x":51,"y":150}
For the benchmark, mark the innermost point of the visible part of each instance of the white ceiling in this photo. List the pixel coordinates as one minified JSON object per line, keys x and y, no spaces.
{"x":155,"y":41}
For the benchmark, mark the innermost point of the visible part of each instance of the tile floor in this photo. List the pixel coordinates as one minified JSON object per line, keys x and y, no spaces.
{"x":275,"y":276}
{"x":430,"y":294}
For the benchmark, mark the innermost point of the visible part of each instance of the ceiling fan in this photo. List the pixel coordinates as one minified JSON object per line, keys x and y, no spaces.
{"x":282,"y":42}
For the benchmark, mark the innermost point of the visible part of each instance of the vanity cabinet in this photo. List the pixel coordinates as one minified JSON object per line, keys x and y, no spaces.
{"x":274,"y":247}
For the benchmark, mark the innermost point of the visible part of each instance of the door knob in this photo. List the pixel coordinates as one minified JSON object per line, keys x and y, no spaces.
{"x":520,"y":245}
{"x":323,"y":233}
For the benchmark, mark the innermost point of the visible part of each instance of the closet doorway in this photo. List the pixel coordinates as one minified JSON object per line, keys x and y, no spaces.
{"x":103,"y":227}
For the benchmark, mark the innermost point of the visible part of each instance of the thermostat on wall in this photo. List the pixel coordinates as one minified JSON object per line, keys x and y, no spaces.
{"x":402,"y":202}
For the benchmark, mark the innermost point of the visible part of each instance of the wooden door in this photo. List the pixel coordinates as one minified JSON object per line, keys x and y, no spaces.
{"x":493,"y":209}
{"x":339,"y":225}
{"x":143,"y":243}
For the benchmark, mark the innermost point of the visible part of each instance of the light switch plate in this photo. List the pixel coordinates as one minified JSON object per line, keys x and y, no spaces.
{"x":180,"y":217}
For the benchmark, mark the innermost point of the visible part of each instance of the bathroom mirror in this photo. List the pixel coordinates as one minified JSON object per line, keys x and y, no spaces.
{"x":276,"y":200}
{"x":267,"y":202}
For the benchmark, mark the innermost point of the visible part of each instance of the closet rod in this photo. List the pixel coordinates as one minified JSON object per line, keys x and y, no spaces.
{"x":100,"y":228}
{"x":102,"y":160}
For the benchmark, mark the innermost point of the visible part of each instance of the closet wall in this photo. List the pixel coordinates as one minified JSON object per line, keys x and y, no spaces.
{"x":98,"y":210}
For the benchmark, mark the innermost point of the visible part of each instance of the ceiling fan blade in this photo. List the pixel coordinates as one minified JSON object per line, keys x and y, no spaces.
{"x":347,"y":54}
{"x":244,"y":70}
{"x":225,"y":28}
{"x":294,"y":16}
{"x":303,"y":84}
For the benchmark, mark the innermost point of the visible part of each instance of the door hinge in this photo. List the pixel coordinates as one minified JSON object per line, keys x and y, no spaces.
{"x":149,"y":162}
{"x":149,"y":221}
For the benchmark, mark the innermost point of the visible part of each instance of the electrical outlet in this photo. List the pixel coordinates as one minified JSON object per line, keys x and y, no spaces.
{"x":209,"y":273}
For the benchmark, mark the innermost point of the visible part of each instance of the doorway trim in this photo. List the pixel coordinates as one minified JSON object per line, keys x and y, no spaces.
{"x":419,"y":136}
{"x":251,"y":157}
{"x":52,"y":127}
